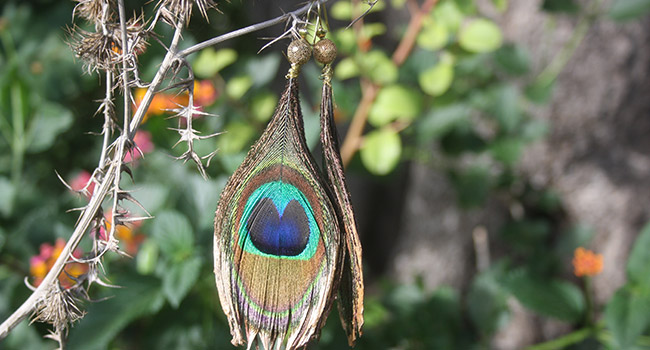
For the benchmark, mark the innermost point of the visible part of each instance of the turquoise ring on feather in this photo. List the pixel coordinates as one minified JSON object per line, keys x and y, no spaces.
{"x":278,"y":222}
{"x":277,"y":238}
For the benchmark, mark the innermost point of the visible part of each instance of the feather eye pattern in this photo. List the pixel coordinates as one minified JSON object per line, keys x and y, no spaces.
{"x":350,"y":297}
{"x":277,"y":237}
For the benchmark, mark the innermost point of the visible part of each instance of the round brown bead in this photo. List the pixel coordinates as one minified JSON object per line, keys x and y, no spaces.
{"x":325,"y":51}
{"x":298,"y":52}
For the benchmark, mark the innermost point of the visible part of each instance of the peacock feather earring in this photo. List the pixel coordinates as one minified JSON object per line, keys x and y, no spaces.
{"x":277,"y":243}
{"x":350,"y":297}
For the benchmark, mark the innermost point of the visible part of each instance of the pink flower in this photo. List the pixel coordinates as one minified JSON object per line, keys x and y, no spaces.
{"x":40,"y":265}
{"x":80,"y":181}
{"x":142,"y":139}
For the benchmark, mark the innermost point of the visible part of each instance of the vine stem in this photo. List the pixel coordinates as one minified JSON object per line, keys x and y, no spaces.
{"x":107,"y":182}
{"x":353,"y":138}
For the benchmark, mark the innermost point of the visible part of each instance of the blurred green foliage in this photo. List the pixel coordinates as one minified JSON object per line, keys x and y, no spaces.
{"x":463,"y":91}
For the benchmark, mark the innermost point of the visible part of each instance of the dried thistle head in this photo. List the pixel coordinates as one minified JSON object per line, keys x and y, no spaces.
{"x":102,"y":51}
{"x":173,"y":10}
{"x":92,"y":10}
{"x":98,"y":51}
{"x":137,"y":35}
{"x":59,"y":307}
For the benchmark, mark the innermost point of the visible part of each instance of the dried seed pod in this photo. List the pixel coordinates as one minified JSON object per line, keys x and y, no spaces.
{"x":298,"y":52}
{"x":325,"y":51}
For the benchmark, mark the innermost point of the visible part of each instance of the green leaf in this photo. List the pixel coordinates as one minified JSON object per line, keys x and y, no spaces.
{"x":210,"y":61}
{"x":395,"y":102}
{"x":378,"y":67}
{"x":7,"y":195}
{"x":50,"y":121}
{"x":440,"y":120}
{"x":398,"y":4}
{"x":501,"y":5}
{"x":624,"y":10}
{"x":238,"y":86}
{"x":534,"y":130}
{"x":506,"y":108}
{"x":370,"y":30}
{"x":448,"y":14}
{"x":574,"y":237}
{"x":480,"y":35}
{"x":462,"y":138}
{"x":230,"y":162}
{"x":3,"y":240}
{"x":627,"y":316}
{"x":436,"y":80}
{"x":514,"y":59}
{"x":346,"y":68}
{"x":263,"y":106}
{"x":406,"y":298}
{"x":341,"y":10}
{"x":433,"y":36}
{"x":179,"y":278}
{"x":201,"y":193}
{"x":526,"y":235}
{"x":487,"y":303}
{"x":26,"y":337}
{"x":106,"y":318}
{"x":237,"y":136}
{"x":173,"y":233}
{"x":553,"y":298}
{"x":381,"y":151}
{"x":152,"y":196}
{"x":374,"y":312}
{"x":345,"y":40}
{"x":540,"y":91}
{"x":472,"y":186}
{"x":507,"y":150}
{"x":263,"y":69}
{"x":638,"y":264}
{"x":312,"y":123}
{"x":466,"y":6}
{"x":147,"y":258}
{"x":566,"y":6}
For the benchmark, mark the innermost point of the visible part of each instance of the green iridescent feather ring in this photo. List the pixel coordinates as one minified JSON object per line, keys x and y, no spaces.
{"x":277,"y":236}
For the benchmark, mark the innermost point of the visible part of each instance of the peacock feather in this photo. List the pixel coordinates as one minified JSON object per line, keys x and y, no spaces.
{"x":277,"y":234}
{"x":350,"y":302}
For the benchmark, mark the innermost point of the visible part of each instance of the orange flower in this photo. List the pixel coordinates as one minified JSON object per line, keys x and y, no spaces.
{"x":204,"y":95}
{"x":41,"y":264}
{"x":126,"y":234}
{"x":160,"y":103}
{"x":586,"y":262}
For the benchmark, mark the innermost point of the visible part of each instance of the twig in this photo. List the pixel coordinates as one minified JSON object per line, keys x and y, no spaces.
{"x":107,"y":181}
{"x":108,"y":121}
{"x":249,"y":29}
{"x":125,"y":68}
{"x":86,"y":217}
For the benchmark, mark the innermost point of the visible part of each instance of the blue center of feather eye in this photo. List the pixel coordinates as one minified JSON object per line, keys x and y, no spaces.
{"x":279,"y":222}
{"x":278,"y":234}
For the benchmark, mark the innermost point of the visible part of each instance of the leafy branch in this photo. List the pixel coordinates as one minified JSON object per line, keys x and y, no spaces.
{"x":370,"y":90}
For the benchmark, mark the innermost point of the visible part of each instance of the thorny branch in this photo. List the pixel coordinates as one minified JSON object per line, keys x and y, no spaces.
{"x":111,"y":165}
